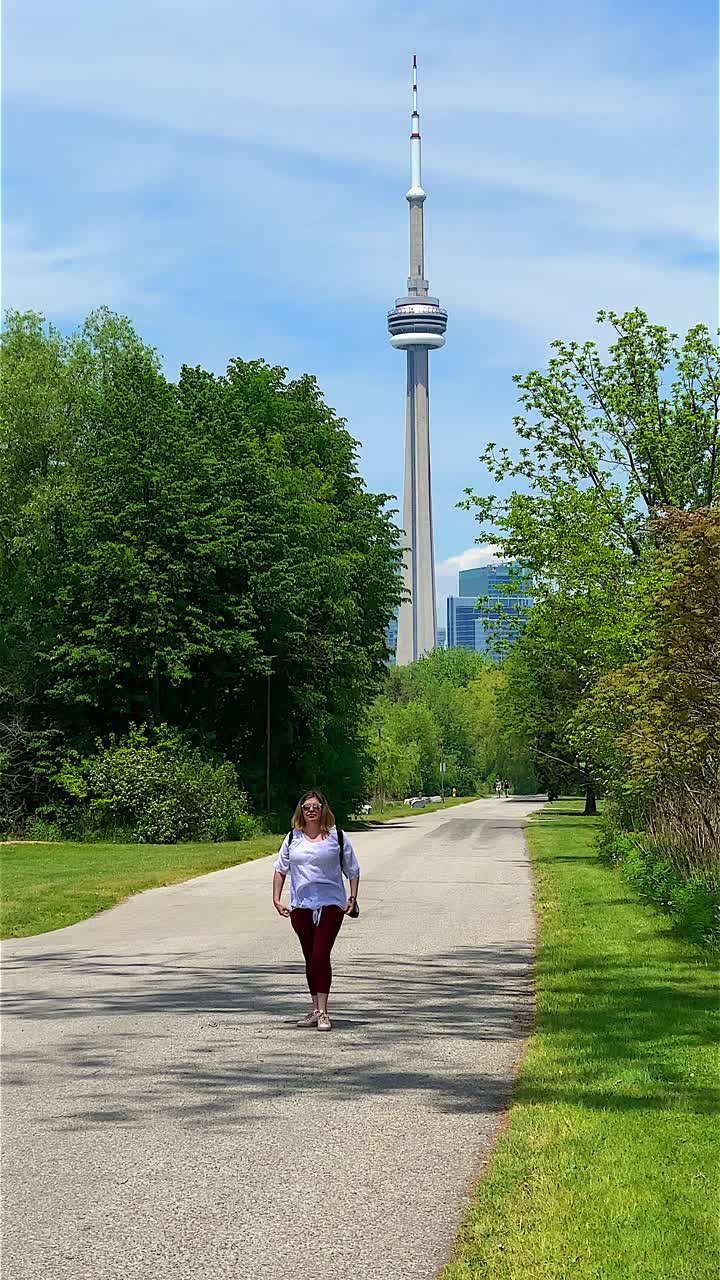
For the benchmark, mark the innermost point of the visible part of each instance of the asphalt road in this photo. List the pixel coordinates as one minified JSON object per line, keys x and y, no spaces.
{"x":163,"y":1119}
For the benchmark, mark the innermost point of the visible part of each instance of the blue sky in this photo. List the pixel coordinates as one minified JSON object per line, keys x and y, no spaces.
{"x":231,"y":176}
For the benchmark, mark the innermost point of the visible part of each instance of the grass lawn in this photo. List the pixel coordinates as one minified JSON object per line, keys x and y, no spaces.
{"x":608,"y":1167}
{"x":393,"y":811}
{"x":48,"y":886}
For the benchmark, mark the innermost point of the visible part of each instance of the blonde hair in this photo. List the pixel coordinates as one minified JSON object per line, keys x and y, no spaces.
{"x":327,"y":817}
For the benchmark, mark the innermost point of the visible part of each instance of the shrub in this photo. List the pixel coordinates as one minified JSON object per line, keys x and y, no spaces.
{"x":153,"y":787}
{"x":42,"y":830}
{"x":20,"y":764}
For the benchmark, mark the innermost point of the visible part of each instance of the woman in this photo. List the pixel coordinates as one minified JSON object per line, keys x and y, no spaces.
{"x":318,"y":903}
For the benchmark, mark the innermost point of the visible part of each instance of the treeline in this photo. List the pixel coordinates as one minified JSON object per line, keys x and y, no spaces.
{"x":189,"y":571}
{"x":615,"y":683}
{"x":443,"y":709}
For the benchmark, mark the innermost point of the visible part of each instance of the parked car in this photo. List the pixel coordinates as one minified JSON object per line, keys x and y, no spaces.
{"x":365,"y":809}
{"x":436,"y":799}
{"x":419,"y":802}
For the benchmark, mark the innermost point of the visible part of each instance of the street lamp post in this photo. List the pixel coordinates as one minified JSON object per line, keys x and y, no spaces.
{"x":381,"y":789}
{"x":267,"y":738}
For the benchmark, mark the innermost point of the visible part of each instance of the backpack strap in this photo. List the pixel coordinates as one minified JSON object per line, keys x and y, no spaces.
{"x":341,"y":841}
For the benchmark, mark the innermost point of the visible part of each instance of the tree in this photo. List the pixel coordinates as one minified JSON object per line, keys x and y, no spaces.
{"x":444,"y":709}
{"x":169,"y":551}
{"x":652,"y":728}
{"x":608,"y":443}
{"x":546,"y":681}
{"x":501,"y":750}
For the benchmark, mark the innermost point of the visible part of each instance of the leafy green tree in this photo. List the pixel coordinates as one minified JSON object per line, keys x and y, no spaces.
{"x":545,"y":683}
{"x":434,"y":710}
{"x":501,"y":750}
{"x":175,"y":553}
{"x":393,"y":760}
{"x":445,"y":707}
{"x":606,"y":443}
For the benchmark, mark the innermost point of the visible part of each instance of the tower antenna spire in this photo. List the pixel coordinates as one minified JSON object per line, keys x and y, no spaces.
{"x":416,"y":188}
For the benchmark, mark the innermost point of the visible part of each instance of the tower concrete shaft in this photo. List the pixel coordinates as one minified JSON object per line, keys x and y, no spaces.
{"x":417,"y":623}
{"x":417,"y":324}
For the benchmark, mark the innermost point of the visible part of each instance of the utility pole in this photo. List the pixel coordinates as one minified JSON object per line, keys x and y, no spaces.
{"x":267,"y":741}
{"x":381,"y":789}
{"x":443,"y":767}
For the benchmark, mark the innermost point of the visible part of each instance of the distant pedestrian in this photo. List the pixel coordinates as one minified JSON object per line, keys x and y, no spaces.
{"x":506,"y":787}
{"x":317,"y":854}
{"x":498,"y":788}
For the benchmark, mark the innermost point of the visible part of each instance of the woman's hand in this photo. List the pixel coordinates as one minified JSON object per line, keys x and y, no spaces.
{"x":350,"y":905}
{"x":280,"y":907}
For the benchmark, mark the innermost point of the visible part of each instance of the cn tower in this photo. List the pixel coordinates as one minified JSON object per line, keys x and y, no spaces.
{"x":417,"y":323}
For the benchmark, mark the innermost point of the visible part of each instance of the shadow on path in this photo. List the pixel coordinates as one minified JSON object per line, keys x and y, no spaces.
{"x":399,"y":1025}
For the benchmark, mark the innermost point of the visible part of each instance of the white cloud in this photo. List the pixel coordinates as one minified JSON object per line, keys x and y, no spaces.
{"x":205,"y":69}
{"x":279,"y":126}
{"x":326,"y":82}
{"x":67,"y":276}
{"x":471,"y":558}
{"x":446,"y":573}
{"x":234,"y":175}
{"x":607,"y":198}
{"x":558,"y":294}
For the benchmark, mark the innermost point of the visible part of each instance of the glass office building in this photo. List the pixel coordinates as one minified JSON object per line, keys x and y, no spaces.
{"x":461,"y":618}
{"x":391,"y":635}
{"x":490,"y":610}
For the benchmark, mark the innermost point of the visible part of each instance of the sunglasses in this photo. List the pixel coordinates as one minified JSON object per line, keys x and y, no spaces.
{"x":311,"y":804}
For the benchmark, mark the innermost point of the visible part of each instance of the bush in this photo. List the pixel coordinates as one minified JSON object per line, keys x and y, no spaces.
{"x":691,"y":900}
{"x":44,"y":831}
{"x":153,"y":787}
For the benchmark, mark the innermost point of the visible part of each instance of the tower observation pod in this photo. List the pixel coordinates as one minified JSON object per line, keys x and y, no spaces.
{"x":417,"y":323}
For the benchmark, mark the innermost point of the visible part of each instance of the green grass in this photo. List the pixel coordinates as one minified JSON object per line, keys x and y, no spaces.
{"x":392,"y":811}
{"x":47,"y":886}
{"x":608,"y":1167}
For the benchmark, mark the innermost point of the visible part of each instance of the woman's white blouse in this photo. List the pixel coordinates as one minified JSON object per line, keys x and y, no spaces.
{"x":314,"y":866}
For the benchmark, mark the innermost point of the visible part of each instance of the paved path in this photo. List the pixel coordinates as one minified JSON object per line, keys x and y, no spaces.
{"x":164,"y":1120}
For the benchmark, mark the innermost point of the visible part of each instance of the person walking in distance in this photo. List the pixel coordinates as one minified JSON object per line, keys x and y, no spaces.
{"x":317,"y":854}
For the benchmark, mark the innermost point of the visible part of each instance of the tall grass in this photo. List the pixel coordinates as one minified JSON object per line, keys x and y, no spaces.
{"x":672,"y":878}
{"x":684,"y":821}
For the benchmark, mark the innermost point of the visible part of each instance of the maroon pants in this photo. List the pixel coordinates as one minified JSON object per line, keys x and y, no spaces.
{"x":317,"y":941}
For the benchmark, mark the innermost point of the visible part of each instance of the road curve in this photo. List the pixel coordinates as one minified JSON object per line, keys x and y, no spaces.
{"x":163,"y":1119}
